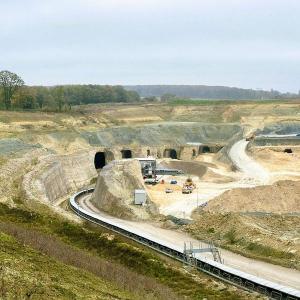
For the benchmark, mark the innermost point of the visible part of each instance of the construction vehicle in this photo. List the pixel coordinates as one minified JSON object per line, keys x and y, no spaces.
{"x":188,"y":186}
{"x":151,"y":181}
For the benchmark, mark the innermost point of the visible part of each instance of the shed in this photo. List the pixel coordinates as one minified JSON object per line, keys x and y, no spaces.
{"x":140,"y":197}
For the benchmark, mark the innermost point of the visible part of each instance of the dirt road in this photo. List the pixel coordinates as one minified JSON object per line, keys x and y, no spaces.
{"x":252,"y":171}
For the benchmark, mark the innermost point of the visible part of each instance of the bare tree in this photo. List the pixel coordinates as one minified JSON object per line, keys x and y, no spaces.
{"x":9,"y":82}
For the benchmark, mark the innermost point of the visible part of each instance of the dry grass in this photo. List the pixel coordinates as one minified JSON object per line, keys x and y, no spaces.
{"x":93,"y":241}
{"x":124,"y":278}
{"x":272,"y":238}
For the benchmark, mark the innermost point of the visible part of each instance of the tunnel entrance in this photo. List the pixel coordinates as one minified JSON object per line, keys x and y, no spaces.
{"x":204,"y":149}
{"x":288,"y":150}
{"x":126,"y":154}
{"x":173,"y":154}
{"x":170,"y":153}
{"x":210,"y":149}
{"x":99,"y":160}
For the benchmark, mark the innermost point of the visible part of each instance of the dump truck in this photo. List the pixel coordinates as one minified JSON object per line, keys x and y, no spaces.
{"x":188,"y":186}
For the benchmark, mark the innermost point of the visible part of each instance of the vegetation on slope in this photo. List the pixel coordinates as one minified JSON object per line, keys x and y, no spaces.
{"x":264,"y":237}
{"x":26,"y":273}
{"x":135,"y":269}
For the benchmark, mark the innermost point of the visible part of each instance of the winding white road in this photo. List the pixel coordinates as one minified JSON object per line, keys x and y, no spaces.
{"x":252,"y":171}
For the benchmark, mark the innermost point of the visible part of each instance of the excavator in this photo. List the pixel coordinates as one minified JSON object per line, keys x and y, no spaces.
{"x":188,"y":186}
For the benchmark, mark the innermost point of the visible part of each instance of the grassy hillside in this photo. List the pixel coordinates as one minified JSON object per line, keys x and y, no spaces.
{"x":84,"y":260}
{"x":29,"y":274}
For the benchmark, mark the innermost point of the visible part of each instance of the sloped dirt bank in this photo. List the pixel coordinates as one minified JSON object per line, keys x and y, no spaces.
{"x":281,"y":197}
{"x":114,"y":192}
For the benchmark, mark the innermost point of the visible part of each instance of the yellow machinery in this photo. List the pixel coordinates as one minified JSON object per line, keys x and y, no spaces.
{"x":188,"y":186}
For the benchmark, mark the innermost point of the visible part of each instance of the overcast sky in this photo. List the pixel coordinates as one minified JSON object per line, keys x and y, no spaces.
{"x":244,"y":43}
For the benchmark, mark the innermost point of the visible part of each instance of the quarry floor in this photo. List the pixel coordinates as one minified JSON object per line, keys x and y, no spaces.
{"x":263,"y":169}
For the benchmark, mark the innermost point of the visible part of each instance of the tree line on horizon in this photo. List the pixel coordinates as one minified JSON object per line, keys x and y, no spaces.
{"x":206,"y":92}
{"x":14,"y":94}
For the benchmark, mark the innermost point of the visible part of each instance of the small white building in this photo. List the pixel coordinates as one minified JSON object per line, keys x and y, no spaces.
{"x":140,"y":197}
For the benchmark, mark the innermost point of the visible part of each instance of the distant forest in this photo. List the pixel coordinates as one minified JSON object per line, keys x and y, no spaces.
{"x":62,"y":98}
{"x":205,"y":92}
{"x":14,"y":94}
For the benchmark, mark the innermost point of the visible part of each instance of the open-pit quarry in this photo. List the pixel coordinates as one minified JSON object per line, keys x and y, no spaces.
{"x":243,"y":161}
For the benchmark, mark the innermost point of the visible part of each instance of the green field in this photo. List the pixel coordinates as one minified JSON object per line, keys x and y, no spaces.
{"x":208,"y":102}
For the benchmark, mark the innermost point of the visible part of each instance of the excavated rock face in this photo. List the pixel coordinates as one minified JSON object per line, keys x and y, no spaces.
{"x":55,"y":176}
{"x":114,"y":192}
{"x":168,"y":133}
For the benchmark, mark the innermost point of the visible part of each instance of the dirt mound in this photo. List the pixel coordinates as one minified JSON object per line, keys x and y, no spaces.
{"x":114,"y":192}
{"x":274,"y":238}
{"x":281,"y":197}
{"x":189,"y":168}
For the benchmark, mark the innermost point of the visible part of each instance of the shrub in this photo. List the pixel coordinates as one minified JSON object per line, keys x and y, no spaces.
{"x":231,"y":236}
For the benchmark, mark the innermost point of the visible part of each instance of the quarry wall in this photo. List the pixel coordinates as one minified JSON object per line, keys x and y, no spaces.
{"x":264,"y":141}
{"x":55,"y":176}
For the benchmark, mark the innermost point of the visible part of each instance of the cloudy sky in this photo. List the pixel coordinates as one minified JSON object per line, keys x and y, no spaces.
{"x":244,"y":43}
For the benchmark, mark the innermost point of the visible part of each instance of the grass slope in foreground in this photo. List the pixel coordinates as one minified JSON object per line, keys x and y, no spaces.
{"x":29,"y":274}
{"x":50,"y":258}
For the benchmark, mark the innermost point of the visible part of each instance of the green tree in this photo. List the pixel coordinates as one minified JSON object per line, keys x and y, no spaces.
{"x":121,"y":94}
{"x":42,"y":94}
{"x":59,"y":97}
{"x":10,"y":83}
{"x":25,"y":98}
{"x":107,"y":94}
{"x":133,"y":96}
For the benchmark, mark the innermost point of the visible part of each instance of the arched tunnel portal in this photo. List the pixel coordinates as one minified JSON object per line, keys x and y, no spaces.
{"x":126,"y":153}
{"x":99,"y":160}
{"x":170,"y":153}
